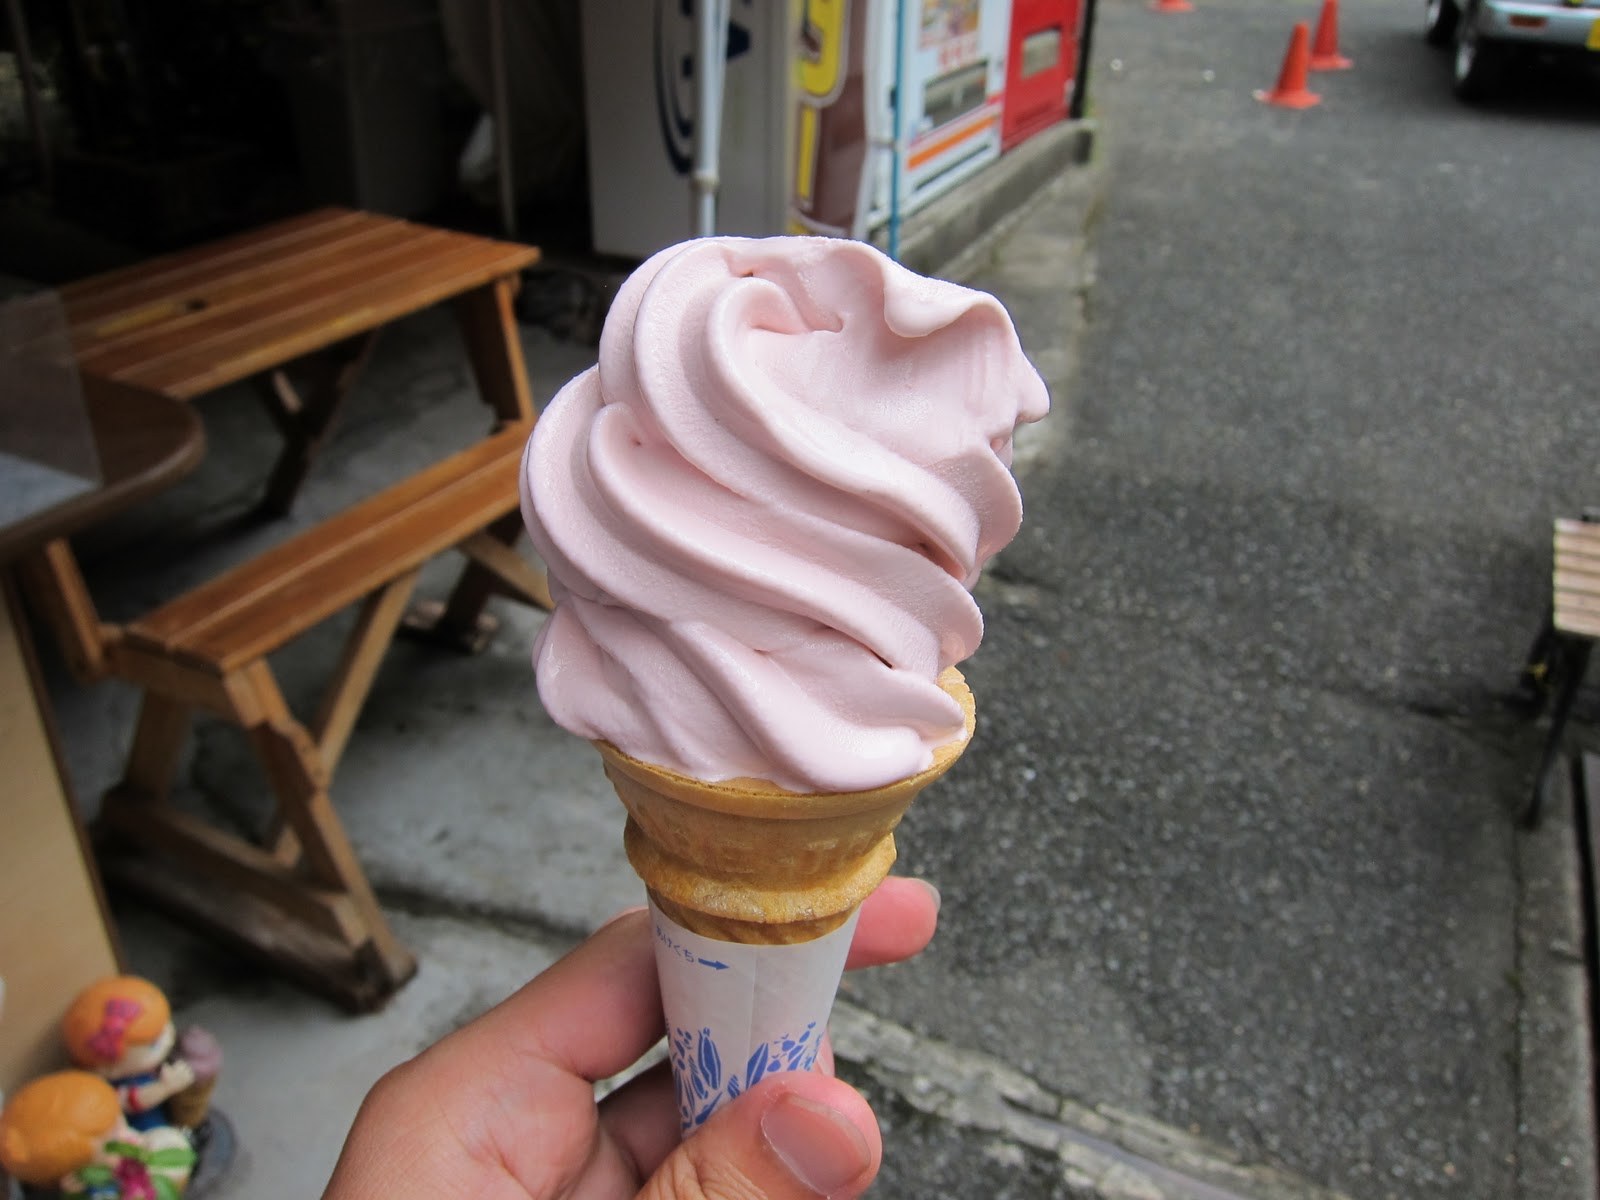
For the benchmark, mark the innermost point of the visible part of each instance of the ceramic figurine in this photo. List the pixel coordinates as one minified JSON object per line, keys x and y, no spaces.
{"x":68,"y":1131}
{"x":121,"y":1029}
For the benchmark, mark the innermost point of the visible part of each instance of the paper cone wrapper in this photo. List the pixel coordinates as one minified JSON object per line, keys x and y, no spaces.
{"x":747,"y":865}
{"x":739,"y":1013}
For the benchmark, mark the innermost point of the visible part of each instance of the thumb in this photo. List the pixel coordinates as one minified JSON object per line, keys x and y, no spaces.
{"x":793,"y":1137}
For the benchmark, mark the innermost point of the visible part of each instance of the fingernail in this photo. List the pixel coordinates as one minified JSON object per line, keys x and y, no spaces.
{"x":821,"y":1147}
{"x":934,"y":892}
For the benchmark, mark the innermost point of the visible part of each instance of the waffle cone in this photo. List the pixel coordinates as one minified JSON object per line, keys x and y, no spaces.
{"x":749,"y":862}
{"x":189,"y":1107}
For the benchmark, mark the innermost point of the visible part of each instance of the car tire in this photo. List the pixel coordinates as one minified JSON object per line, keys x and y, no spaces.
{"x":1479,"y":61}
{"x":1439,"y":22}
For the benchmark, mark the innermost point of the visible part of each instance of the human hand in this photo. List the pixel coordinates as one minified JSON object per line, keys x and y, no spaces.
{"x":504,"y":1109}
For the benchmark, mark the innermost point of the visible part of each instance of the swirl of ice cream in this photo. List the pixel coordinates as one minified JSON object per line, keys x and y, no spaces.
{"x":763,"y":508}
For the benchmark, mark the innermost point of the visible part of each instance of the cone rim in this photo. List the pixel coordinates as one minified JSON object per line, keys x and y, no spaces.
{"x":745,"y":795}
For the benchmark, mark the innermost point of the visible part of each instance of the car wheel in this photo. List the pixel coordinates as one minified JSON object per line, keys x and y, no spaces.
{"x":1439,"y":22}
{"x":1479,"y":60}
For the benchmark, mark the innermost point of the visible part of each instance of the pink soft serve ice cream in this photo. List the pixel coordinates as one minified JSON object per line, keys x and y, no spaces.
{"x":763,"y":509}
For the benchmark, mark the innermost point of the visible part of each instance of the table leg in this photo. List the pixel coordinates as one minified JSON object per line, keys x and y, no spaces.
{"x":489,"y":327}
{"x":461,"y":622}
{"x":307,"y":419}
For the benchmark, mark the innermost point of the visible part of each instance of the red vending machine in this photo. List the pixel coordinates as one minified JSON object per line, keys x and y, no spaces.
{"x":1042,"y":66}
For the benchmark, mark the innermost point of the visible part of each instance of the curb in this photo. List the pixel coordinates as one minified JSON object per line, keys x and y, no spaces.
{"x":1556,"y":1121}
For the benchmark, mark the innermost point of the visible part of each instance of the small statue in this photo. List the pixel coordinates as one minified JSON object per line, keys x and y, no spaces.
{"x":67,"y":1130}
{"x":121,"y":1029}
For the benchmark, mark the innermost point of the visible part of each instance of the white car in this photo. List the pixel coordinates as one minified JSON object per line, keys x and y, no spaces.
{"x":1486,"y":32}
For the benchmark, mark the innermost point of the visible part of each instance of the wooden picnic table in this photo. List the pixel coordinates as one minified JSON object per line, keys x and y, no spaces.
{"x":296,"y":306}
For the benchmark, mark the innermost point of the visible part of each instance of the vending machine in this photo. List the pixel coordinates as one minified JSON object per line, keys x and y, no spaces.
{"x":640,"y":66}
{"x":1042,"y":66}
{"x":858,"y":163}
{"x":811,"y":140}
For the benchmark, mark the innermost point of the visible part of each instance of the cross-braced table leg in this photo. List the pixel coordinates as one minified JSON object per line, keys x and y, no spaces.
{"x":488,"y":322}
{"x":494,"y":347}
{"x":306,"y":415}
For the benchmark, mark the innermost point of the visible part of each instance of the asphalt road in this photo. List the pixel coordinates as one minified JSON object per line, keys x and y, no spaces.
{"x":1235,"y":850}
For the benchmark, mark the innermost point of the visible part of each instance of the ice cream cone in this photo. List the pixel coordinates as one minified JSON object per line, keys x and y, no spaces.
{"x":189,"y":1108}
{"x":748,"y":862}
{"x":197,"y":1047}
{"x":754,"y":891}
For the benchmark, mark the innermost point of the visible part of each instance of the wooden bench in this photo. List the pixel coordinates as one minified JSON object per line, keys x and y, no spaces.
{"x":298,"y":895}
{"x":1560,"y":654}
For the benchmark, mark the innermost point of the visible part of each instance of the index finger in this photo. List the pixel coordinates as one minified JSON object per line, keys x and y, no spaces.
{"x":592,"y":1013}
{"x":597,"y":1010}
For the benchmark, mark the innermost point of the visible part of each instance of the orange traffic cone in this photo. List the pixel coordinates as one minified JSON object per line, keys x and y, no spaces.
{"x":1291,"y":91}
{"x":1325,"y":54}
{"x":1172,"y":6}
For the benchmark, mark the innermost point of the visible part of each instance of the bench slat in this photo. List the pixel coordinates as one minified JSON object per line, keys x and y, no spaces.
{"x":1569,"y":604}
{"x":273,"y":342}
{"x":371,"y":277}
{"x":307,"y":598}
{"x":285,"y":252}
{"x":271,"y":599}
{"x":1581,"y":624}
{"x":1577,"y":551}
{"x":178,"y":314}
{"x":179,"y":620}
{"x":141,"y":281}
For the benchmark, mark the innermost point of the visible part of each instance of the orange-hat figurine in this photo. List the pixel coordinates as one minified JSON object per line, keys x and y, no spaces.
{"x":121,"y":1029}
{"x":67,"y":1130}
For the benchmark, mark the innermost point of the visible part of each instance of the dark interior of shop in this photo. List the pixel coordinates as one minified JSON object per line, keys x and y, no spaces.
{"x":130,"y":128}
